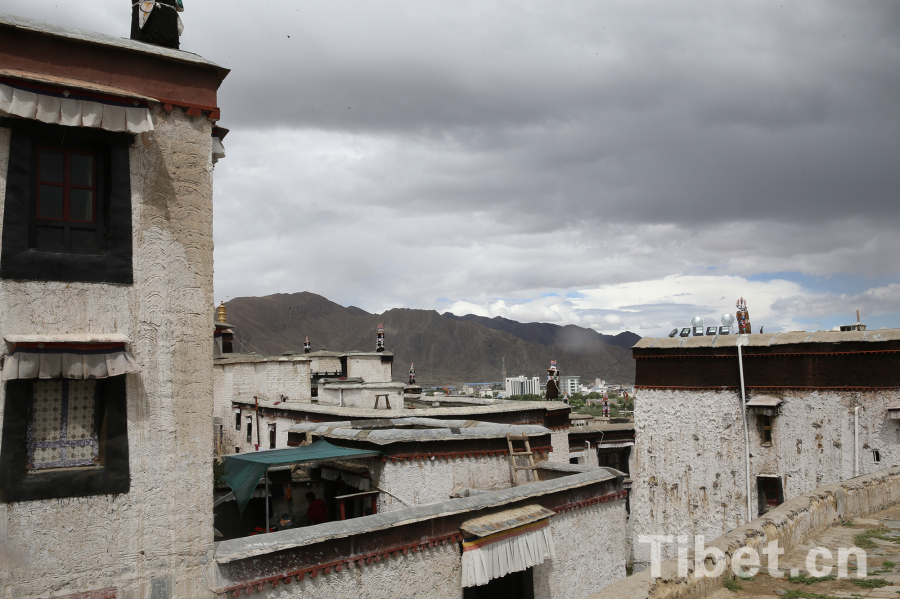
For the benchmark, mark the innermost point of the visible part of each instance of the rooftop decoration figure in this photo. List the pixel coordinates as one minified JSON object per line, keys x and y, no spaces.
{"x":412,"y":373}
{"x":306,"y":347}
{"x":743,"y":317}
{"x":552,"y":381}
{"x":379,"y":339}
{"x":157,"y":22}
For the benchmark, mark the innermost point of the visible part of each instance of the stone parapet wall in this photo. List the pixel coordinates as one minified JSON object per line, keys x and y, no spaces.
{"x":416,"y":552}
{"x":431,"y":481}
{"x":362,"y":396}
{"x":371,"y":369}
{"x":793,"y":523}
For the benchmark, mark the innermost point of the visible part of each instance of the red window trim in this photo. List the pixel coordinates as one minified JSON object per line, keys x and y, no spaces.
{"x":66,"y":185}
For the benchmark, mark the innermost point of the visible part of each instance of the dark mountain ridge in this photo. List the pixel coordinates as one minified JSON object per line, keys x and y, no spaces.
{"x":549,"y":334}
{"x":446,"y":348}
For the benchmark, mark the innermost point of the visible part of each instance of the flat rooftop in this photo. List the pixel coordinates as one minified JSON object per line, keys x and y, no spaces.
{"x":359,"y":413}
{"x":396,"y":430}
{"x":768,"y":339}
{"x":101,"y":39}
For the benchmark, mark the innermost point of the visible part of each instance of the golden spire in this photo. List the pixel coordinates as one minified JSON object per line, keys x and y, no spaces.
{"x":220,"y":313}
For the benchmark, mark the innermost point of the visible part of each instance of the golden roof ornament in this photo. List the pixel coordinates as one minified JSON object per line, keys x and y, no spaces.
{"x":220,"y":313}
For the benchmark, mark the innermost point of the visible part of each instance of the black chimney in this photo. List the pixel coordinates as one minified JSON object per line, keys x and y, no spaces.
{"x":160,"y":23}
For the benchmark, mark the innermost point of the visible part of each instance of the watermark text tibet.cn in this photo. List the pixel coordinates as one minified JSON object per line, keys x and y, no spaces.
{"x":746,"y":561}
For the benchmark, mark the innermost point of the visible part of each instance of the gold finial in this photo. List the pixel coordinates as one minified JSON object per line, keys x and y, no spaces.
{"x":220,"y":313}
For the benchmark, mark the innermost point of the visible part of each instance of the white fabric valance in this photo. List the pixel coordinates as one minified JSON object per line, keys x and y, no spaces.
{"x":68,"y":361}
{"x":75,"y":110}
{"x":502,"y":553}
{"x":357,"y":482}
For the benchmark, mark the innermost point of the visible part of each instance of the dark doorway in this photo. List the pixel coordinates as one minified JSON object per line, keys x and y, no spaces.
{"x":769,"y":492}
{"x":517,"y":585}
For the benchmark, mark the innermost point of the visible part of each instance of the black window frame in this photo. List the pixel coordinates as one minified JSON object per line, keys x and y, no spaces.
{"x":111,"y":262}
{"x":111,"y":477}
{"x":66,"y":223}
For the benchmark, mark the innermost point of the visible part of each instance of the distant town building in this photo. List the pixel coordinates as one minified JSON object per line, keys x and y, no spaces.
{"x":569,"y":384}
{"x":522,"y":385}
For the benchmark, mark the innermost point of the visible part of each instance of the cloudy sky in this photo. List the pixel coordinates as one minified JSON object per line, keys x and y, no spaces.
{"x":618,"y":165}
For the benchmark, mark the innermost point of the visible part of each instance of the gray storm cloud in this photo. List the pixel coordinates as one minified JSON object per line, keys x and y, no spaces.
{"x":433,"y":153}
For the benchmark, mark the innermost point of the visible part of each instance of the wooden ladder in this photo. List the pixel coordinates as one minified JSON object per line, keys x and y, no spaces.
{"x":512,"y":457}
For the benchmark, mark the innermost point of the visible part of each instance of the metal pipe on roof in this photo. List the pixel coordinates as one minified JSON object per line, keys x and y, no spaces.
{"x":855,"y":441}
{"x":743,"y":340}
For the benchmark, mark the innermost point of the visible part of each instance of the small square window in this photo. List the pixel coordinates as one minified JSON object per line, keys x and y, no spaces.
{"x":64,"y":438}
{"x":765,"y":430}
{"x":876,"y":456}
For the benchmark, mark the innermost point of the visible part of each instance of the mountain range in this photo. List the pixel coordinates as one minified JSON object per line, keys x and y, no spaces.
{"x":446,"y":348}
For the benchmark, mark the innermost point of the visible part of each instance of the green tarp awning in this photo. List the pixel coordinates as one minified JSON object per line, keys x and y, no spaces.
{"x":243,"y":471}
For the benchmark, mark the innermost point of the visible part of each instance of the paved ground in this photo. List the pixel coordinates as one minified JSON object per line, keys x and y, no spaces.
{"x":879,"y":535}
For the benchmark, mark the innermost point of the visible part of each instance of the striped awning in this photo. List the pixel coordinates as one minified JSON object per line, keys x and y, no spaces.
{"x":78,"y":357}
{"x":501,"y":544}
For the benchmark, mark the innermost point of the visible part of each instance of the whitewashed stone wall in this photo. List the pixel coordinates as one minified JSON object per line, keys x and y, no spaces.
{"x":268,"y":380}
{"x":429,"y":481}
{"x":238,"y":438}
{"x":435,"y":573}
{"x":559,"y":440}
{"x":689,"y":473}
{"x":137,"y":542}
{"x":369,"y":368}
{"x":590,"y":455}
{"x":325,"y":364}
{"x":589,"y":552}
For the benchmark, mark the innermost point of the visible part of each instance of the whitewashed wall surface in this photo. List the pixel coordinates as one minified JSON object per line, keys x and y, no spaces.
{"x":689,"y":469}
{"x":156,"y":540}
